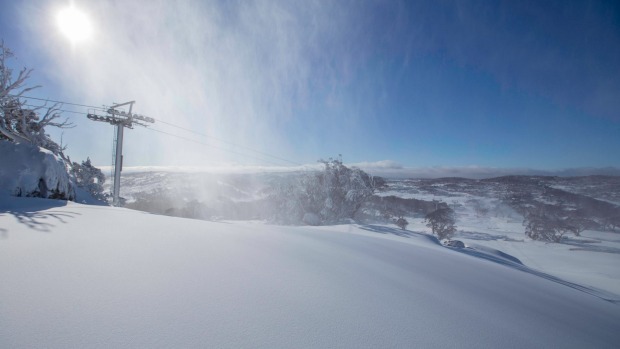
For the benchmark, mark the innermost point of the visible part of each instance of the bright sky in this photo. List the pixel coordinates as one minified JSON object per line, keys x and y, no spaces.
{"x":509,"y":84}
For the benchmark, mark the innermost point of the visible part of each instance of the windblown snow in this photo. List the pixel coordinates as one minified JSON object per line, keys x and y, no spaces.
{"x":84,"y":276}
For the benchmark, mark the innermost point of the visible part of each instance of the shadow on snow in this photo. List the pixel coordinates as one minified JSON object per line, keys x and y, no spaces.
{"x":36,"y":213}
{"x":495,"y":256}
{"x":513,"y":262}
{"x":472,"y":235}
{"x":589,"y":245}
{"x":398,"y":232}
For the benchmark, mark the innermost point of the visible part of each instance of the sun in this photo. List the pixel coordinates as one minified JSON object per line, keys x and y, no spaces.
{"x":74,"y":24}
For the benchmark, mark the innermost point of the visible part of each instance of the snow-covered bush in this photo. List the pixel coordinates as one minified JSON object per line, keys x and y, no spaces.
{"x":330,"y":196}
{"x":28,"y":170}
{"x":90,"y":178}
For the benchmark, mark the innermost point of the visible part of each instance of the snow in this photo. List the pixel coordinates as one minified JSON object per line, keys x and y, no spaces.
{"x":591,"y":259}
{"x":24,"y":165}
{"x":76,"y":275}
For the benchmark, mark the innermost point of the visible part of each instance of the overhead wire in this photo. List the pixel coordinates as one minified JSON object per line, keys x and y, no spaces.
{"x":230,"y":143}
{"x":210,"y":145}
{"x":103,"y":108}
{"x":39,"y":106}
{"x":53,"y":101}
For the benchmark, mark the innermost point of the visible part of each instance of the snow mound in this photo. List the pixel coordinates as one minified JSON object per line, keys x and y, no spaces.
{"x":30,"y":171}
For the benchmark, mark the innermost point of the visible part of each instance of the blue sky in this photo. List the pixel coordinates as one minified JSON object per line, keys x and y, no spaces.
{"x":509,"y":84}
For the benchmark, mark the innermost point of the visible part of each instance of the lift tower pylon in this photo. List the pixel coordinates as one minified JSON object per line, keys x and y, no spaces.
{"x":120,"y":119}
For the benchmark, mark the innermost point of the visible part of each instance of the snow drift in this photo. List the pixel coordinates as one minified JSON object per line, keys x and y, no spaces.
{"x":87,"y":276}
{"x":30,"y":171}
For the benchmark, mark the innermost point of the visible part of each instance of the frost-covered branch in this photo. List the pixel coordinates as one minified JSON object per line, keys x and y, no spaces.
{"x":51,"y":114}
{"x":9,"y":88}
{"x":19,"y":123}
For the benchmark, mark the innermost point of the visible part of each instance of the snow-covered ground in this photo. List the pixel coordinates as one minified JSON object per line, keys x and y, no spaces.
{"x":591,"y":259}
{"x":84,"y":276}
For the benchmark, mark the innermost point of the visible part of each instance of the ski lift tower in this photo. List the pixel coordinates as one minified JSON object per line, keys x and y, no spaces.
{"x":120,"y":119}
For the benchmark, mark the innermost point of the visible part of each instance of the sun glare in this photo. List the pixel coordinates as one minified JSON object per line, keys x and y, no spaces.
{"x":74,"y":24}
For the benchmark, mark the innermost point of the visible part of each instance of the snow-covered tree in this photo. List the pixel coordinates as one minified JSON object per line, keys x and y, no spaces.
{"x":329,"y":196}
{"x":402,"y":223}
{"x":611,"y":222}
{"x":547,"y":225}
{"x":18,"y":122}
{"x":342,"y":190}
{"x":442,"y":222}
{"x":90,"y":178}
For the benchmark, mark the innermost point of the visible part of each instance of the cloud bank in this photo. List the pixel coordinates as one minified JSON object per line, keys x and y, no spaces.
{"x":391,"y":169}
{"x":384,"y":168}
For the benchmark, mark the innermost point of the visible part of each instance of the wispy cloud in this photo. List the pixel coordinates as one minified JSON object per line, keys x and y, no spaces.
{"x":234,"y":70}
{"x":309,"y":79}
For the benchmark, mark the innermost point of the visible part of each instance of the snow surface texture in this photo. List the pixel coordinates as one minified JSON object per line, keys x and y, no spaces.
{"x":26,"y":167}
{"x":89,"y":276}
{"x":591,"y":259}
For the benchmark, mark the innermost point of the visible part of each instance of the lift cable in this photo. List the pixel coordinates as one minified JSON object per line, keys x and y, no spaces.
{"x":103,"y":108}
{"x":212,"y":146}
